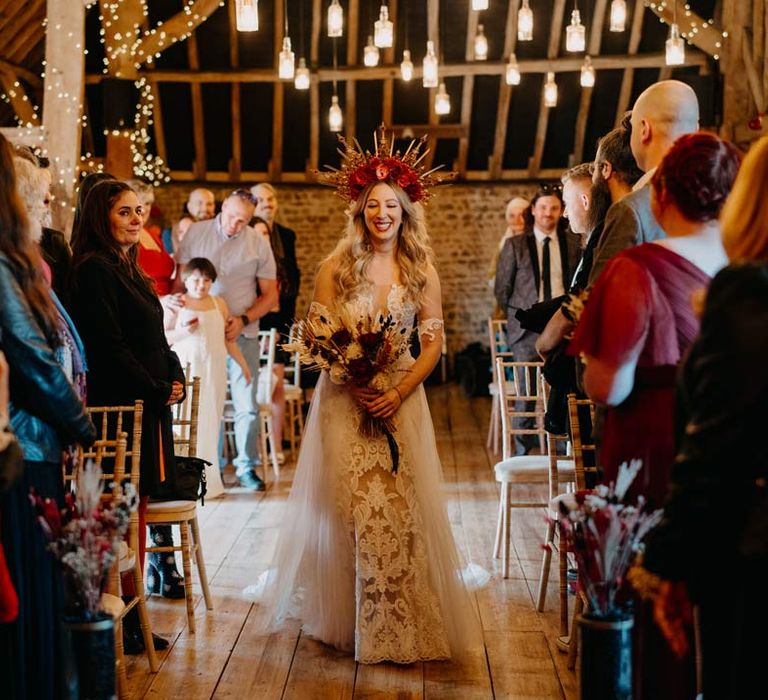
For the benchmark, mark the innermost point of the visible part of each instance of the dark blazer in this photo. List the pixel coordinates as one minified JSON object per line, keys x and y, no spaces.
{"x":45,"y":412}
{"x":518,"y":275}
{"x":121,"y":322}
{"x":629,"y":222}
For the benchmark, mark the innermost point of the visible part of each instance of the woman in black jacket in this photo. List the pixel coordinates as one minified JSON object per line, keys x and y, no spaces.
{"x":46,"y":415}
{"x":121,"y":321}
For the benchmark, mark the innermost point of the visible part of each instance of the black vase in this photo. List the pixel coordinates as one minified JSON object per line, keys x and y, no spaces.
{"x":605,"y":657}
{"x":90,"y":658}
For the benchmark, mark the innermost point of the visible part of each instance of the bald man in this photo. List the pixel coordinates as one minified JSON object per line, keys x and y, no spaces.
{"x":663,"y":113}
{"x":201,"y":204}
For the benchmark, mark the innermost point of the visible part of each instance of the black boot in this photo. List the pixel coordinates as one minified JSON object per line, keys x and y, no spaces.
{"x":133,"y":640}
{"x":162,"y":575}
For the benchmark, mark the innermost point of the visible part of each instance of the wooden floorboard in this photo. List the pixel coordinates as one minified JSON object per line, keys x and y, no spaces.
{"x":233,"y":653}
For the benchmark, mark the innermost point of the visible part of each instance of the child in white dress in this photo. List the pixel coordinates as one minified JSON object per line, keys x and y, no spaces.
{"x":196,"y":334}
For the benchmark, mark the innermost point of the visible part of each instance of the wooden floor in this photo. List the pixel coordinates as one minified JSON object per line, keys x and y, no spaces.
{"x":229,"y":658}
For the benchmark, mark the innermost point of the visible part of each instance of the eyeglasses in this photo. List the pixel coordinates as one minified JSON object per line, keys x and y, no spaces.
{"x":244,"y":194}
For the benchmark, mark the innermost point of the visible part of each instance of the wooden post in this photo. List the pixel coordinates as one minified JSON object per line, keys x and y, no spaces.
{"x":62,"y":100}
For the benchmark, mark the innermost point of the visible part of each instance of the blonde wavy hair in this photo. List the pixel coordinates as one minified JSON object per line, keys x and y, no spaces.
{"x":354,"y":252}
{"x":744,"y":219}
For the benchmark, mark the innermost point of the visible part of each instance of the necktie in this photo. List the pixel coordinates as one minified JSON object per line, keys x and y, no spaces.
{"x":546,"y":274}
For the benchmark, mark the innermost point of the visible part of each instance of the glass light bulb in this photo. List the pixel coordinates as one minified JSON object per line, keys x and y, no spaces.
{"x":513,"y":71}
{"x":479,"y":4}
{"x":481,"y":44}
{"x":550,"y":91}
{"x":442,"y":101}
{"x":675,"y":53}
{"x":286,"y":65}
{"x":335,"y":116}
{"x":371,"y":54}
{"x":575,"y":34}
{"x":406,"y":67}
{"x":525,"y":22}
{"x":301,"y":81}
{"x":618,"y":15}
{"x":587,"y":73}
{"x":383,"y":32}
{"x":335,"y":19}
{"x":247,"y":15}
{"x":429,"y":76}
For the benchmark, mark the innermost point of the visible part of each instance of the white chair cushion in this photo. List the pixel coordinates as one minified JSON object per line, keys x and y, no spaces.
{"x":112,"y":605}
{"x":527,"y":469}
{"x":127,"y":558}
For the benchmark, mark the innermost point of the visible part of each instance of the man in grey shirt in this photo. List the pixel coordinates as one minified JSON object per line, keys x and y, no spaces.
{"x":242,"y":259}
{"x":664,"y":112}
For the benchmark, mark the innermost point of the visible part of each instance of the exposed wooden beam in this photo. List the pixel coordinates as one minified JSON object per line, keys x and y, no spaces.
{"x":157,"y":118}
{"x":565,"y":64}
{"x":18,"y":98}
{"x":126,"y":24}
{"x":505,"y":96}
{"x":708,"y":38}
{"x":235,"y":162}
{"x":389,"y":57}
{"x":635,"y":34}
{"x":33,"y":79}
{"x":198,"y":118}
{"x":174,"y":29}
{"x":278,"y":101}
{"x":314,"y":88}
{"x":593,"y":49}
{"x":350,"y":104}
{"x":467,"y":91}
{"x":555,"y":32}
{"x":753,"y":79}
{"x":26,"y":23}
{"x":442,"y":131}
{"x":433,"y":34}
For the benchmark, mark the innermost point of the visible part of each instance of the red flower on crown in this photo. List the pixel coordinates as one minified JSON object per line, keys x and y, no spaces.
{"x":359,"y":169}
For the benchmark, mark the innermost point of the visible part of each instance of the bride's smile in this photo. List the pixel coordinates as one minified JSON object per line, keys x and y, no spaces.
{"x":383,"y":214}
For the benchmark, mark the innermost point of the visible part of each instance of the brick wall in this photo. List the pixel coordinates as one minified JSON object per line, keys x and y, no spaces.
{"x":464,"y":221}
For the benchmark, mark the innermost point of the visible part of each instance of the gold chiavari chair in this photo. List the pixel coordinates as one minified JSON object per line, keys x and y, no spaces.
{"x":294,"y":400}
{"x":184,"y":513}
{"x":266,"y":387}
{"x":527,"y":400}
{"x":119,"y":464}
{"x":497,"y":336}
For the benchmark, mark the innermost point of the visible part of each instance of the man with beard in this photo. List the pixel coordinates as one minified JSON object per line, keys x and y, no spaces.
{"x":614,"y":172}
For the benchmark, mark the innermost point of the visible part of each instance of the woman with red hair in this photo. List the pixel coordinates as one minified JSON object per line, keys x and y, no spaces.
{"x":638,"y":323}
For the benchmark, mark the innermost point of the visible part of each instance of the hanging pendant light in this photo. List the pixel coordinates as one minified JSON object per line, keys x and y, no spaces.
{"x":429,"y":76}
{"x":301,"y":81}
{"x":479,"y":5}
{"x":512,"y":74}
{"x":587,"y":73}
{"x":335,"y":19}
{"x":618,"y":15}
{"x":575,"y":33}
{"x":286,"y":66}
{"x":335,"y":116}
{"x":406,"y":67}
{"x":383,"y":32}
{"x":675,"y":48}
{"x":550,"y":91}
{"x":371,"y":53}
{"x":481,"y":44}
{"x":442,"y":101}
{"x":525,"y":22}
{"x":247,"y":15}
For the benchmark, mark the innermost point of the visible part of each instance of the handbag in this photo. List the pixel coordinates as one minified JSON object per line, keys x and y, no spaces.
{"x":189,"y":482}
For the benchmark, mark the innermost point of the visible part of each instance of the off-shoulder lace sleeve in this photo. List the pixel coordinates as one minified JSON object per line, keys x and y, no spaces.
{"x":431,"y":327}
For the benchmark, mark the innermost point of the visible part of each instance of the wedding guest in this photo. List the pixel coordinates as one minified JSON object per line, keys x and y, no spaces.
{"x":661,"y":114}
{"x":717,"y":497}
{"x":243,"y":260}
{"x":121,"y":320}
{"x":514,"y":215}
{"x":637,"y":324}
{"x":46,"y":415}
{"x":173,"y":235}
{"x":201,"y":204}
{"x":535,"y":266}
{"x":86,"y":184}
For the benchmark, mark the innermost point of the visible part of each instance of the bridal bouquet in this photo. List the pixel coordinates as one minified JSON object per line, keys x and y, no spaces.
{"x":358,"y":349}
{"x":603,"y":532}
{"x":85,"y":535}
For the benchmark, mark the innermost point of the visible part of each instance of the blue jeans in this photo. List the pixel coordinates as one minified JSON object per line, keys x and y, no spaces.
{"x":246,"y":406}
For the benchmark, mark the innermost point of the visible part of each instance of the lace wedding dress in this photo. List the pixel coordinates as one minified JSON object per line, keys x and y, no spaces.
{"x":366,"y":558}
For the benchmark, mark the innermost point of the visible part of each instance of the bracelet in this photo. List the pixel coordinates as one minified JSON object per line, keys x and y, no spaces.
{"x":400,"y":396}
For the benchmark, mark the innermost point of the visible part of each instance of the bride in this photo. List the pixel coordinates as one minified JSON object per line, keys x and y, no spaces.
{"x":366,"y":558}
